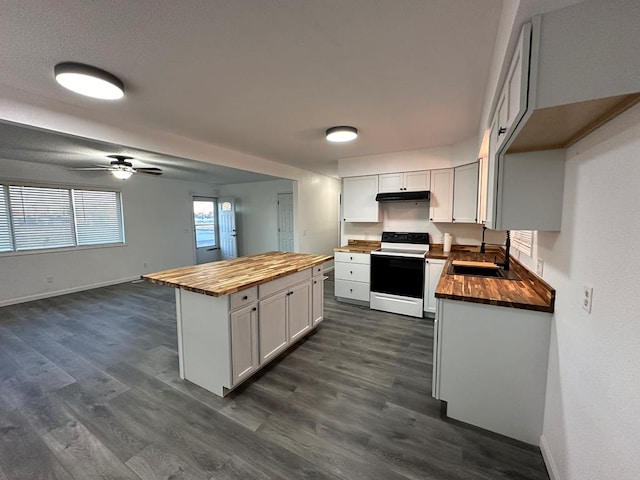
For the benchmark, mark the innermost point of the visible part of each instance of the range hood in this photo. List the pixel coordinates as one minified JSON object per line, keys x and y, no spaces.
{"x":420,"y":196}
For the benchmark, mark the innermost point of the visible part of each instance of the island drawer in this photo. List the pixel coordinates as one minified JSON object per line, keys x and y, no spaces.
{"x":275,"y":286}
{"x":243,"y":297}
{"x":317,"y":270}
{"x":348,"y":257}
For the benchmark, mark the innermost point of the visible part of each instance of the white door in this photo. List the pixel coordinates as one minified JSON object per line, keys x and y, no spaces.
{"x":227,"y":222}
{"x":204,"y":226}
{"x":285,"y":222}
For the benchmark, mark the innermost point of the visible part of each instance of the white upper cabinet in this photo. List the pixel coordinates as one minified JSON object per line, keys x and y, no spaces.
{"x":405,"y":181}
{"x":512,"y":103}
{"x":359,"y":199}
{"x":465,"y":193}
{"x":441,"y":201}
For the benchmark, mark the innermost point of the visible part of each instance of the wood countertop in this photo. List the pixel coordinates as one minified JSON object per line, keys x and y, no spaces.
{"x":359,"y":246}
{"x":529,"y":293}
{"x":229,"y":276}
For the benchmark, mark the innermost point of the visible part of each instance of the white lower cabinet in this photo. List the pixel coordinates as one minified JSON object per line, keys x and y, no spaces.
{"x":299,"y":311}
{"x":317,"y":299}
{"x":352,"y":277}
{"x":490,"y":366}
{"x":432,"y":272}
{"x":244,"y":342}
{"x":222,"y":341}
{"x":273,"y":326}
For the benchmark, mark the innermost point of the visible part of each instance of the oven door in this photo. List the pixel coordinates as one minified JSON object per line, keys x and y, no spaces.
{"x":394,"y":275}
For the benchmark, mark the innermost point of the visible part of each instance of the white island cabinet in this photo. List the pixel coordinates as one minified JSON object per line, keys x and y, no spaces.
{"x":224,"y":338}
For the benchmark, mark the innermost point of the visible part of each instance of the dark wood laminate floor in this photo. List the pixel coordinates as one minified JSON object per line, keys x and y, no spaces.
{"x":89,"y":389}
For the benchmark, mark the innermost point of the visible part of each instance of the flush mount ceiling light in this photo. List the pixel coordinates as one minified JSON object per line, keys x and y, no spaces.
{"x":89,"y":81}
{"x":341,"y":134}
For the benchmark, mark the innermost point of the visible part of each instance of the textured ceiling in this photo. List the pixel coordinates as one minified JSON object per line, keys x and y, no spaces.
{"x":268,"y":77}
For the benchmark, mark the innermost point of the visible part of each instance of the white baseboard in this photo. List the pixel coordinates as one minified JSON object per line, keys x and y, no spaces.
{"x":40,"y":296}
{"x":548,"y":460}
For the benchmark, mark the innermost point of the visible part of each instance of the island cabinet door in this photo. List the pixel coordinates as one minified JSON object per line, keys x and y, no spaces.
{"x":299,"y":310}
{"x":272,"y":325}
{"x":244,"y":342}
{"x":317,"y":299}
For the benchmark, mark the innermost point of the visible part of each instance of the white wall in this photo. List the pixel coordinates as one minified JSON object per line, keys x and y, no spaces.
{"x":257,"y":214}
{"x":411,"y":160}
{"x":592,"y":417}
{"x":316,"y":209}
{"x":414,"y":217}
{"x":158,"y":229}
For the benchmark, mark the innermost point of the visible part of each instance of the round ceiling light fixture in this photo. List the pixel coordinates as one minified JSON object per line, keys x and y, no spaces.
{"x":121,"y":174}
{"x":341,"y":134}
{"x":89,"y":81}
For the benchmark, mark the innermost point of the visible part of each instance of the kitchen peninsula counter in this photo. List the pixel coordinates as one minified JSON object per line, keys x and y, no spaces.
{"x":529,"y":292}
{"x":229,"y":276}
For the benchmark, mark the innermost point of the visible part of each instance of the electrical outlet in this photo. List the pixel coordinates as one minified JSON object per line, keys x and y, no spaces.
{"x":49,"y":278}
{"x":587,"y":297}
{"x":540,"y":267}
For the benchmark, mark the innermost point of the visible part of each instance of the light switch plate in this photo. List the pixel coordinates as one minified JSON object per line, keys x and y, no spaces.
{"x":587,"y":297}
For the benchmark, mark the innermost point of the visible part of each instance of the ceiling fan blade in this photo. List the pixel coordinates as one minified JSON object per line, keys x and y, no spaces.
{"x":95,"y":169}
{"x":150,"y":171}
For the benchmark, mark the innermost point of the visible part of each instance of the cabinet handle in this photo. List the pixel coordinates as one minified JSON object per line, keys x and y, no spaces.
{"x":254,"y":309}
{"x":245,"y":297}
{"x":502,"y":131}
{"x":453,"y":219}
{"x":431,"y":219}
{"x":350,"y":258}
{"x":351,"y":290}
{"x":351,"y":272}
{"x":315,"y":282}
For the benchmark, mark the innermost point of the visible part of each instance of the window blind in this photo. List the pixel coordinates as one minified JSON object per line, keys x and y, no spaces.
{"x":98,"y":217}
{"x":41,"y":217}
{"x":6,"y":245}
{"x":522,"y":240}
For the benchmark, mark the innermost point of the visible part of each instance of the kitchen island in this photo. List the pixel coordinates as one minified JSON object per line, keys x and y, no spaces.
{"x":235,"y":316}
{"x":491,"y":346}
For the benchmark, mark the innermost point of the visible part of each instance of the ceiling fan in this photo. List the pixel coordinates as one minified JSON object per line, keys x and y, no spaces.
{"x":121,"y":168}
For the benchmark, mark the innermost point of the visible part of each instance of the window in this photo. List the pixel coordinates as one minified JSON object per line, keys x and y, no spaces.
{"x":33,"y":217}
{"x":522,"y":240}
{"x":204,"y":218}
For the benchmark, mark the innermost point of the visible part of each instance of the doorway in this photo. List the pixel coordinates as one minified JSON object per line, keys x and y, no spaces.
{"x":205,"y":229}
{"x":285,"y":222}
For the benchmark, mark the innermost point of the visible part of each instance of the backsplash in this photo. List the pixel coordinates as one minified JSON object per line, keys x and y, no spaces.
{"x":414,"y":217}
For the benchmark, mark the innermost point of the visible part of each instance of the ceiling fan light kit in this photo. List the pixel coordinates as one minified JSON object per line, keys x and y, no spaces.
{"x":341,"y":134}
{"x":120,"y":168}
{"x":89,"y":81}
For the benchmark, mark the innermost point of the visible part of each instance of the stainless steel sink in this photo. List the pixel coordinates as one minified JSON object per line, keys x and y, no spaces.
{"x":482,"y":272}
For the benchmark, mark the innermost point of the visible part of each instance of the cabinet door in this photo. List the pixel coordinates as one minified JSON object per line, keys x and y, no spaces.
{"x":244,"y":342}
{"x":359,"y":199}
{"x":516,"y":84}
{"x":272,"y":326}
{"x":417,"y":181}
{"x":441,"y":203}
{"x":317,"y":299}
{"x":299,"y":310}
{"x":391,"y":182}
{"x":465,"y":193}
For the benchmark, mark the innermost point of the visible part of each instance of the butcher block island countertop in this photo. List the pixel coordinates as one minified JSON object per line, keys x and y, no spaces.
{"x":530,"y":292}
{"x":229,"y":276}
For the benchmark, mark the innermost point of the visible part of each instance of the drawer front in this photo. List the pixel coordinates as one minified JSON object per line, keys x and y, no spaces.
{"x":346,"y":257}
{"x":243,"y":297}
{"x":317,"y":270}
{"x":275,"y":286}
{"x":352,"y":271}
{"x":354,"y":290}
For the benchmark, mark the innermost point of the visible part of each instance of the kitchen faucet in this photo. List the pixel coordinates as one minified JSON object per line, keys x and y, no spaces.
{"x":507,"y":246}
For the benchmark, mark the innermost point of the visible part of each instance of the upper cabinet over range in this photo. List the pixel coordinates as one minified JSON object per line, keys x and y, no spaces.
{"x":405,"y":181}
